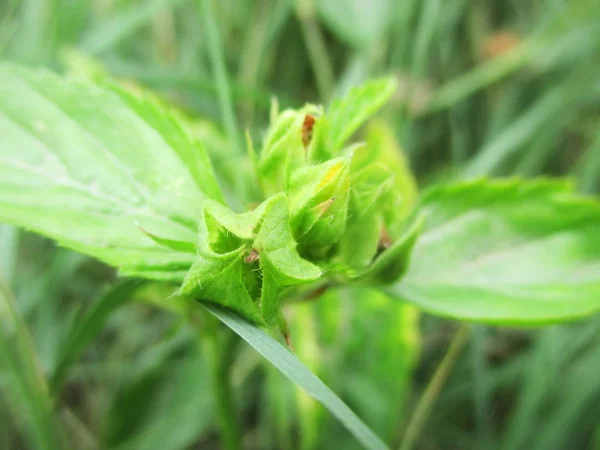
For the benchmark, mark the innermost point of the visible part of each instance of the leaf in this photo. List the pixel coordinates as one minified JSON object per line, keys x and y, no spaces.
{"x":291,"y":367}
{"x":383,"y":196}
{"x":89,"y":167}
{"x":245,"y":260}
{"x":394,"y":261}
{"x":347,"y":114}
{"x":385,"y":150}
{"x":319,"y":203}
{"x":506,"y":252}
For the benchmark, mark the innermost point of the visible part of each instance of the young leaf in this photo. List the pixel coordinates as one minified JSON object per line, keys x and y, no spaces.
{"x":245,"y":260}
{"x":347,"y":114}
{"x":291,"y":367}
{"x":383,"y":196}
{"x":506,"y":252}
{"x":93,"y":168}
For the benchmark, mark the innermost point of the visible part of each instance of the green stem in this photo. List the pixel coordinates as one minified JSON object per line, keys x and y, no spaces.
{"x":434,"y":388}
{"x":218,"y":351}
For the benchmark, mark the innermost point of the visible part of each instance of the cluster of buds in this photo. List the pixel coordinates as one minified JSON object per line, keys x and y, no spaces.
{"x":331,"y":213}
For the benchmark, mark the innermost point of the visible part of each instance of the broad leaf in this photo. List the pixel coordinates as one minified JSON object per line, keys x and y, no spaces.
{"x":506,"y":252}
{"x":98,"y":170}
{"x":292,"y":368}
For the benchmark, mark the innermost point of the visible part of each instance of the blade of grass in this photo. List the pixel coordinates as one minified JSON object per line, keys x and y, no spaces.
{"x":589,"y":180}
{"x":317,"y":50}
{"x":298,"y":373}
{"x":221,"y":78}
{"x":480,"y":77}
{"x":424,"y":37}
{"x":86,"y":327}
{"x":217,"y":350}
{"x":9,"y":242}
{"x":545,"y":51}
{"x":434,"y":388}
{"x":123,"y":25}
{"x":23,"y":384}
{"x":553,"y":103}
{"x":481,"y":390}
{"x":579,"y":392}
{"x":541,"y":375}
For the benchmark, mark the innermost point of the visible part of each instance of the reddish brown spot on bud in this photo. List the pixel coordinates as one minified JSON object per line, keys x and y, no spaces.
{"x":251,"y":257}
{"x":307,"y":129}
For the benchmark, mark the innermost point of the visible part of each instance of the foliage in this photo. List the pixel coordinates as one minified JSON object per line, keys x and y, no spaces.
{"x":319,"y":231}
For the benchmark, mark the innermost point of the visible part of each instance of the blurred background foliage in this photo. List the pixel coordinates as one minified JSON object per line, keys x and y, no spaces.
{"x":487,"y":87}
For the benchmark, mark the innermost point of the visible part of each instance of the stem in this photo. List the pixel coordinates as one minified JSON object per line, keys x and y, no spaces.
{"x":434,"y":387}
{"x":317,"y":50}
{"x":218,"y":351}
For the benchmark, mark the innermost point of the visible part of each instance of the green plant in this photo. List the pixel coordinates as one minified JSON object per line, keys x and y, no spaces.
{"x":116,"y":175}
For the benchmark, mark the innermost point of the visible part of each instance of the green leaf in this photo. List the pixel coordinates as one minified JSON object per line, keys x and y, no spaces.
{"x":245,"y":260}
{"x":91,"y":168}
{"x":394,"y":261}
{"x":383,"y":196}
{"x":506,"y":252}
{"x":282,"y":152}
{"x":319,"y":202}
{"x":292,"y":368}
{"x":347,"y":114}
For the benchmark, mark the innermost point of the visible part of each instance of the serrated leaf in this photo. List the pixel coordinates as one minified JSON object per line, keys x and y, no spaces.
{"x":299,"y":374}
{"x":191,"y":151}
{"x":347,"y":114}
{"x":506,"y":252}
{"x":87,"y":167}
